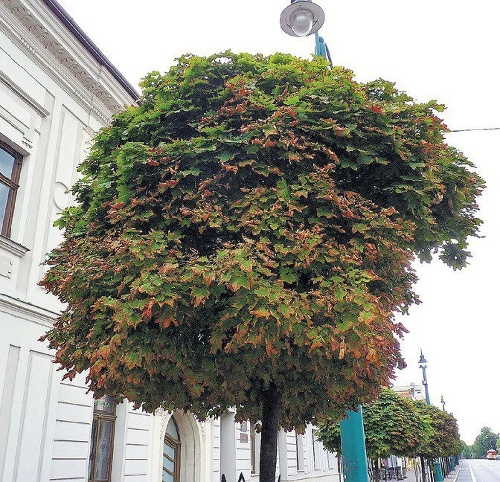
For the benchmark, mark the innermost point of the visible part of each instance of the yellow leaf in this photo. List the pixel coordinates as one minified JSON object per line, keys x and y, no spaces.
{"x":261,"y":313}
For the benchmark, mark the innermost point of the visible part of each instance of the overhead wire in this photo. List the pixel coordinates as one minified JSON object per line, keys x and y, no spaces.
{"x":476,"y":129}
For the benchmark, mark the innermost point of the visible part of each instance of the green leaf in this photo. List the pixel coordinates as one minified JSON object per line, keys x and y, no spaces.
{"x":287,"y":275}
{"x":225,"y":156}
{"x":283,"y":189}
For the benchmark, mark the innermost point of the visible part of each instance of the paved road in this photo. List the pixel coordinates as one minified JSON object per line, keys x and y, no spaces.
{"x":479,"y":470}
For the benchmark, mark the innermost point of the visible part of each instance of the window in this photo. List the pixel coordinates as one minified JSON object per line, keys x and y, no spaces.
{"x":171,"y":453}
{"x":299,"y":450}
{"x":255,"y":447}
{"x":101,"y":449}
{"x":317,"y":450}
{"x":10,"y":169}
{"x":333,"y":461}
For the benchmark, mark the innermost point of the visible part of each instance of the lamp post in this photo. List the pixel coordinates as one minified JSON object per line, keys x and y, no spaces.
{"x":302,"y":18}
{"x":443,"y":403}
{"x":423,"y":365}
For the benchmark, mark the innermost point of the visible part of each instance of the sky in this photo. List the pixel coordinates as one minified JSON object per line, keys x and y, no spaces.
{"x":432,"y":49}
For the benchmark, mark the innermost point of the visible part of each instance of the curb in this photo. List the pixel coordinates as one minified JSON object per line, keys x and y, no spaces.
{"x":458,"y":473}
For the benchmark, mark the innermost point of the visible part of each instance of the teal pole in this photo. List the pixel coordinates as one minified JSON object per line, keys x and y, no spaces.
{"x":437,"y":464}
{"x":352,"y":436}
{"x":438,"y":471}
{"x":320,"y":46}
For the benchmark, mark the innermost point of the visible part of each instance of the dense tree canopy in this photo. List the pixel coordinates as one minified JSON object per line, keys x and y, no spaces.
{"x":249,"y":227}
{"x":465,"y":450}
{"x":392,"y":427}
{"x":485,"y":440}
{"x":445,"y":438}
{"x":395,"y":425}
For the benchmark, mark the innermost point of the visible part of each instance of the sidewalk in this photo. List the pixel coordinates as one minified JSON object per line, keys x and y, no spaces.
{"x":410,"y":475}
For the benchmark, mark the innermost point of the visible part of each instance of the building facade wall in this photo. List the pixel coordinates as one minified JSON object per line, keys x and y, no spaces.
{"x":54,"y":95}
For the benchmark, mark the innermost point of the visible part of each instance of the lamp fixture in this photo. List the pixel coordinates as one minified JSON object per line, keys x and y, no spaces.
{"x":422,"y":360}
{"x":302,"y":18}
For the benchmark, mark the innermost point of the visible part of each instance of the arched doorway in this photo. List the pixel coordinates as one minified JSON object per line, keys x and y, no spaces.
{"x":180,"y":450}
{"x":171,"y":453}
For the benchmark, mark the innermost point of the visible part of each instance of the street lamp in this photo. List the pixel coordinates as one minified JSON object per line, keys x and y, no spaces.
{"x":423,"y":365}
{"x":302,"y":18}
{"x":443,"y":403}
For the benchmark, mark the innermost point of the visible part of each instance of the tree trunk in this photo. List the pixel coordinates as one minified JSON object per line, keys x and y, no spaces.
{"x":430,"y":462}
{"x":271,"y":406}
{"x":422,"y":463}
{"x":376,"y":469}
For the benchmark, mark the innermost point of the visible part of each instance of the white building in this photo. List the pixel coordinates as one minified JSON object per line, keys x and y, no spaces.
{"x":56,"y":91}
{"x":415,"y":392}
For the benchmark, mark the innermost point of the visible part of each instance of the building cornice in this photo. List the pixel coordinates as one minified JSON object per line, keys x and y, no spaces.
{"x":5,"y":79}
{"x":68,"y":54}
{"x":90,"y":46}
{"x":27,"y":311}
{"x":12,"y":247}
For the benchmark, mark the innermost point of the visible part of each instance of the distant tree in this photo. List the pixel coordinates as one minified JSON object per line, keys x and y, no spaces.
{"x":486,"y":440}
{"x":466,"y":450}
{"x":445,"y":438}
{"x":392,"y":427}
{"x":395,"y":425}
{"x":244,"y":235}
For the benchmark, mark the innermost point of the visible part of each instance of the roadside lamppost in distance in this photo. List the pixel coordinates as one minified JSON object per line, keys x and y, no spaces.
{"x":423,"y":365}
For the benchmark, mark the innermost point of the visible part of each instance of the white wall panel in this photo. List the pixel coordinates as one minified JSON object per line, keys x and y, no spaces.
{"x":7,"y":390}
{"x":136,"y":478}
{"x":137,"y":437}
{"x":214,"y":450}
{"x":12,"y":69}
{"x":9,"y":106}
{"x":35,"y":404}
{"x":136,"y":451}
{"x":74,"y":394}
{"x":68,"y":469}
{"x":73,"y":412}
{"x":72,"y":432}
{"x":136,"y":467}
{"x":74,"y":450}
{"x":139,"y":420}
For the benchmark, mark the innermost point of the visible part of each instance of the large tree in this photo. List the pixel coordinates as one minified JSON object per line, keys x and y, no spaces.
{"x":485,"y":440}
{"x":244,"y":235}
